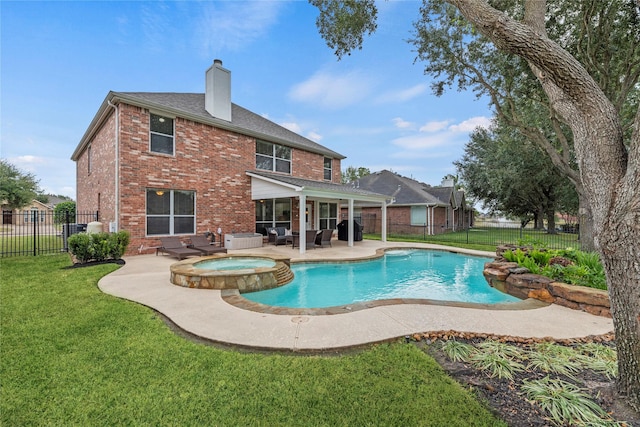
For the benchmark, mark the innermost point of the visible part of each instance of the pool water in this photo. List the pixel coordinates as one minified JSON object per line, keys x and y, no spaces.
{"x":235,"y":263}
{"x":422,"y":274}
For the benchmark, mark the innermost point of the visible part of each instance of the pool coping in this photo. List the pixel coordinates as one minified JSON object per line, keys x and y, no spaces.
{"x":204,"y":313}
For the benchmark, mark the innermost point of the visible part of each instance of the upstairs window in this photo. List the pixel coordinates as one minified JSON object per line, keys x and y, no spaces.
{"x":273,"y":157}
{"x":328,"y":173}
{"x":161,"y":138}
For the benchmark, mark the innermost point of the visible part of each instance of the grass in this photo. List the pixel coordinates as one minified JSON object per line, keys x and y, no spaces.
{"x":71,"y":355}
{"x":564,"y":402}
{"x":24,"y":245}
{"x":488,"y":238}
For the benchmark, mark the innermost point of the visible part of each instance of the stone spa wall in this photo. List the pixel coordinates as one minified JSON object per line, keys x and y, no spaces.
{"x":506,"y":277}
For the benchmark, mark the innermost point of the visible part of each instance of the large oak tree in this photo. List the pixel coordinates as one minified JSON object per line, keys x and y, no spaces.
{"x":608,"y":158}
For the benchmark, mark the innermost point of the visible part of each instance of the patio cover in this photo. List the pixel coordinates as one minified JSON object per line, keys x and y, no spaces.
{"x":267,"y":185}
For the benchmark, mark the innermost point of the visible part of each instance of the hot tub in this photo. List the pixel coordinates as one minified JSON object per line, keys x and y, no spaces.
{"x":243,"y":240}
{"x":226,"y":271}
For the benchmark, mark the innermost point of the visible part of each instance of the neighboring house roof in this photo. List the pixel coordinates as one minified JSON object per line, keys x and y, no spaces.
{"x":319,"y":188}
{"x":54,"y":200}
{"x":191,"y":106}
{"x":405,"y":191}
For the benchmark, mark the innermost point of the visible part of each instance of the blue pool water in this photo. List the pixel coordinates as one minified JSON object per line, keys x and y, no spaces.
{"x":416,"y":273}
{"x":234,"y":263}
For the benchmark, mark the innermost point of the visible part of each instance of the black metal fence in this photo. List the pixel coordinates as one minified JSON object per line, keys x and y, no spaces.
{"x":37,"y":232}
{"x":482,"y":232}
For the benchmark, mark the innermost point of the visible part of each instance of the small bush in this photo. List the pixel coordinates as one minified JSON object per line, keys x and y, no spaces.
{"x":80,"y":245}
{"x":98,"y":246}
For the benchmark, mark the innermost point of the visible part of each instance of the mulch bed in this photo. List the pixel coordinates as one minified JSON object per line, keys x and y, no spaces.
{"x":503,"y":396}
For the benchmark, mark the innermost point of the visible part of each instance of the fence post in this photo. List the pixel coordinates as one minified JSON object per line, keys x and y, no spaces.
{"x":34,"y":218}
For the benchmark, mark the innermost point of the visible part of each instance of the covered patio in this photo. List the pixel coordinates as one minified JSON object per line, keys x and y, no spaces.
{"x":305,"y":193}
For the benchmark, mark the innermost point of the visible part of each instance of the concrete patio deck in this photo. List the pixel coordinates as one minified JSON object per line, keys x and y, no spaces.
{"x":204,"y":313}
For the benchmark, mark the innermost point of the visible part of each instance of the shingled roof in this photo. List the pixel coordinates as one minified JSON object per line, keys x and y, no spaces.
{"x":407,"y":191}
{"x":191,"y":106}
{"x":327,"y":186}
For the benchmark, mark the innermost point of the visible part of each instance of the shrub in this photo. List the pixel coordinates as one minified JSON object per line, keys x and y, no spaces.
{"x":98,"y":246}
{"x":80,"y":245}
{"x":586,"y":269}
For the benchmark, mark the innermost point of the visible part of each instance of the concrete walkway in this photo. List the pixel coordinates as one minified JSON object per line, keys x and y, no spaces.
{"x":146,"y":279}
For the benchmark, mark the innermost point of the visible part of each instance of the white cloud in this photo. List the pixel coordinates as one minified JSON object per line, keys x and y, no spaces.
{"x":231,"y":25}
{"x":402,"y":95}
{"x":401,"y":123}
{"x":469,"y":125}
{"x":293,"y":127}
{"x":332,"y":91}
{"x":301,"y":129}
{"x":28,"y":163}
{"x":435,"y":126}
{"x":422,"y":142}
{"x":314,"y":136}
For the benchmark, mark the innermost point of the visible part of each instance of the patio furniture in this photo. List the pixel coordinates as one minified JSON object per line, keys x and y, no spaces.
{"x":311,"y":238}
{"x":203,"y":244}
{"x":278,"y":236}
{"x":172,"y":246}
{"x":324,"y":238}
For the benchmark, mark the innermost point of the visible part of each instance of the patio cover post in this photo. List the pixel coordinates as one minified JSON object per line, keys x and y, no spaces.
{"x":302,"y":223}
{"x":350,"y":226}
{"x":384,"y":222}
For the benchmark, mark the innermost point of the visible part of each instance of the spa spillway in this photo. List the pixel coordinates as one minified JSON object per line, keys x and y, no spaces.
{"x":224,"y":271}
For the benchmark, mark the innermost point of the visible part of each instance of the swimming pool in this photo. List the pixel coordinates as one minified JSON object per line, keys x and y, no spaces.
{"x":415,"y":273}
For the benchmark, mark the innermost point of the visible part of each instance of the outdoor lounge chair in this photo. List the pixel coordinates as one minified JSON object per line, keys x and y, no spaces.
{"x":324,"y":238}
{"x":203,"y":244}
{"x":311,"y":239}
{"x":172,"y":246}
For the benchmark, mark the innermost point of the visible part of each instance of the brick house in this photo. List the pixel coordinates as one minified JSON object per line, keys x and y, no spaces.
{"x":415,"y":207}
{"x":159,"y":164}
{"x":35,"y":211}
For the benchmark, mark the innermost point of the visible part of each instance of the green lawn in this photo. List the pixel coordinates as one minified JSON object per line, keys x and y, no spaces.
{"x":71,"y":355}
{"x":488,"y":238}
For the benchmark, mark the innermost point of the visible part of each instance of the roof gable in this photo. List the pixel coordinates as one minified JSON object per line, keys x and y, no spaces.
{"x":191,"y":106}
{"x":405,"y":191}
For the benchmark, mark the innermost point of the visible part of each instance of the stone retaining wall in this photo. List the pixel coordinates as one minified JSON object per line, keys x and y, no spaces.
{"x":506,"y":276}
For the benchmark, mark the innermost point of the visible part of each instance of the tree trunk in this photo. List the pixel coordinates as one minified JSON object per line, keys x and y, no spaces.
{"x":539,"y":219}
{"x":621,"y":261}
{"x":585,"y":221}
{"x":551,"y":222}
{"x":610,"y":173}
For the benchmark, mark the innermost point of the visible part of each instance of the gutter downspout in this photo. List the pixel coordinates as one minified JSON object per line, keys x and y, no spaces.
{"x":117,"y":166}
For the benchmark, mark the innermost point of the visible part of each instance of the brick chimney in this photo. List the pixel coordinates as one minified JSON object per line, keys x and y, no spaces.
{"x":217,"y":96}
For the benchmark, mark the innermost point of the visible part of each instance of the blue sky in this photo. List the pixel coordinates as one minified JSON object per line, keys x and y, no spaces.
{"x":60,"y":59}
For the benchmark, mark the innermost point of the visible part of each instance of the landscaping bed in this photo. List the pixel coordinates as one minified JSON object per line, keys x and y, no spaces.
{"x":505,"y":396}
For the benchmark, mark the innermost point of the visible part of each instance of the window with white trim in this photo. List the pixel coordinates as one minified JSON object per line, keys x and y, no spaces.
{"x":273,"y":157}
{"x":328,"y":216}
{"x":328,"y":172}
{"x":418,"y":215}
{"x":161,"y":134}
{"x":170,"y":212}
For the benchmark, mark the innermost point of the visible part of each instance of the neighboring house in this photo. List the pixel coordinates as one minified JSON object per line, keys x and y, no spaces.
{"x":415,"y":206}
{"x":159,"y":164}
{"x":34,"y":212}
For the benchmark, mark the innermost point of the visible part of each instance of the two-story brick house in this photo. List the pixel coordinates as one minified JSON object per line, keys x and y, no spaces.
{"x":158,"y":164}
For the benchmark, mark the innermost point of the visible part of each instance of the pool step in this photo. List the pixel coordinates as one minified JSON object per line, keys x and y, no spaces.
{"x":283,"y":274}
